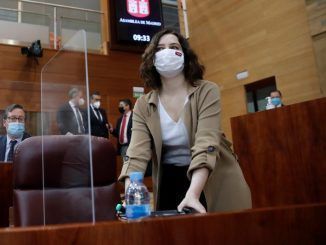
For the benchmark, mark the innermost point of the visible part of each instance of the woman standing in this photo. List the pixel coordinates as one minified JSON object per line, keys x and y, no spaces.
{"x":177,"y":125}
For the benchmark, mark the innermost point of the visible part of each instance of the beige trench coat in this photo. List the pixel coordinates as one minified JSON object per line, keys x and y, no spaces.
{"x":226,"y":188}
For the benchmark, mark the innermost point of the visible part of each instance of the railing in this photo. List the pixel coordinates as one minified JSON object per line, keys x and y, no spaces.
{"x":50,"y":23}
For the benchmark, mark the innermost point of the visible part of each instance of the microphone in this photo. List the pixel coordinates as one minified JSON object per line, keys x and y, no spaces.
{"x":120,"y":208}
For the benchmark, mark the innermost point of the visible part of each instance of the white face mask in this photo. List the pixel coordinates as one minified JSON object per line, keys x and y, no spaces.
{"x":169,"y":62}
{"x":81,"y":101}
{"x":97,"y":104}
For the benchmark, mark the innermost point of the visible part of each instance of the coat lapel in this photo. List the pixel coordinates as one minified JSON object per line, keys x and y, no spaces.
{"x":190,"y":115}
{"x":153,"y":121}
{"x":187,"y":119}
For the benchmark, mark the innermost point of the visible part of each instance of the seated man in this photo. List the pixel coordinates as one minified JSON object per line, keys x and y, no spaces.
{"x":14,"y":122}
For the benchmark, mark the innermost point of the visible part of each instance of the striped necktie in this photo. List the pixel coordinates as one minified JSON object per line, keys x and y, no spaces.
{"x":11,"y":151}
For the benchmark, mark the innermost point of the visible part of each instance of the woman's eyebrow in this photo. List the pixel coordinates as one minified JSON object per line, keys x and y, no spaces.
{"x":175,"y":44}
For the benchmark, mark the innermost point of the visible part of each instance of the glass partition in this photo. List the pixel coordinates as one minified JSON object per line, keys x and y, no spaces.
{"x":67,"y":20}
{"x":69,"y":26}
{"x":66,"y":142}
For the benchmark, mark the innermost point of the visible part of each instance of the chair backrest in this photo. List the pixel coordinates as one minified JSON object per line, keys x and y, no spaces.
{"x":67,"y":195}
{"x":6,"y":190}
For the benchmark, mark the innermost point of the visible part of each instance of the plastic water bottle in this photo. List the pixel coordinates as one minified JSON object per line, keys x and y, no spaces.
{"x":137,"y":197}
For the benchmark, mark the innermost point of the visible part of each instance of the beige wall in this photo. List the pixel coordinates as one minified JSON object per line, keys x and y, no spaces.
{"x":268,"y":38}
{"x":316,"y":10}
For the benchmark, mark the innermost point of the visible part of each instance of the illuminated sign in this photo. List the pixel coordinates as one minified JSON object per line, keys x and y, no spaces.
{"x":135,"y":21}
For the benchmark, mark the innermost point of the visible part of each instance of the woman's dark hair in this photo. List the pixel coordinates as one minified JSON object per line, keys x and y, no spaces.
{"x":193,"y":70}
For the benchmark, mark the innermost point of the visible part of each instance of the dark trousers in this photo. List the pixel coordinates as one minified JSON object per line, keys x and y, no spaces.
{"x":174,"y":186}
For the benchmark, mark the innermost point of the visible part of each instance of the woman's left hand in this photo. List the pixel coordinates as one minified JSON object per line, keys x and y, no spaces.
{"x":191,"y":201}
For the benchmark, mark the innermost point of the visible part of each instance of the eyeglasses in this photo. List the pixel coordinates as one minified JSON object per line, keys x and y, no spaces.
{"x":15,"y":119}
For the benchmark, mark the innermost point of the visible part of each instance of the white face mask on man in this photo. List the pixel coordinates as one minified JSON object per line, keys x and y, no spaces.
{"x":81,"y":102}
{"x":169,"y":62}
{"x":97,"y":104}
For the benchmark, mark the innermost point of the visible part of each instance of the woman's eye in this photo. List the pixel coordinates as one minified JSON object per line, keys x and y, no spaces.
{"x":159,"y":49}
{"x":175,"y":47}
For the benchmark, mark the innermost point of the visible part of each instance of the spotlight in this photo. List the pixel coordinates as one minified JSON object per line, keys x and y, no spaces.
{"x":35,"y":50}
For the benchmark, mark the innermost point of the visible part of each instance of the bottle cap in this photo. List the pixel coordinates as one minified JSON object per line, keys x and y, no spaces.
{"x":136,"y":176}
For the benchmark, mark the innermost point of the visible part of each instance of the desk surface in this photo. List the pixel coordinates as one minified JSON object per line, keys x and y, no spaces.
{"x":302,"y":224}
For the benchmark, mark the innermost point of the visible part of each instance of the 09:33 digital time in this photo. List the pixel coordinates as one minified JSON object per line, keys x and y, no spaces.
{"x":141,"y":38}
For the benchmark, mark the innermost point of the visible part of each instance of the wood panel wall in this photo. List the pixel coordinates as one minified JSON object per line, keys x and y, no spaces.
{"x":317,"y":22}
{"x":282,"y":153}
{"x":113,"y":76}
{"x":268,"y":38}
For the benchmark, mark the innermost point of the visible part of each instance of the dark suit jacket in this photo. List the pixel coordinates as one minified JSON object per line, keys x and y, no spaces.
{"x":3,"y":144}
{"x":98,"y":128}
{"x":116,"y":131}
{"x":67,"y":122}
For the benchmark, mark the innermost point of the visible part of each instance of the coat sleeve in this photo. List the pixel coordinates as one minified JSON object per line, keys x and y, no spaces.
{"x":208,"y":135}
{"x":139,"y":151}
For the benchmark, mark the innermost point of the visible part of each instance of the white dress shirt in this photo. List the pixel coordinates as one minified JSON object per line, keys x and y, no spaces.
{"x":175,"y":141}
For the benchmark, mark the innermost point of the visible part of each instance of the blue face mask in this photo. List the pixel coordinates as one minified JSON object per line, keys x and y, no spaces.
{"x":16,"y":129}
{"x":276,"y":101}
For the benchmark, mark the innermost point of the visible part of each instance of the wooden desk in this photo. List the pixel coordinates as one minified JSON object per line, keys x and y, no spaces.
{"x":287,"y":225}
{"x":6,"y":191}
{"x":283,"y":153}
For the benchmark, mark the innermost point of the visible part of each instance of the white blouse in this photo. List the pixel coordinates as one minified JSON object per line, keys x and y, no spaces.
{"x":175,"y":142}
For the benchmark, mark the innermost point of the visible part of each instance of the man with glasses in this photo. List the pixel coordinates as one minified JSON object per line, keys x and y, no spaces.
{"x":14,"y":122}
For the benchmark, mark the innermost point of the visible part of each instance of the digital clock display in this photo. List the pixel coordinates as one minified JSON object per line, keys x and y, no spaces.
{"x":136,"y":21}
{"x":141,"y":38}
